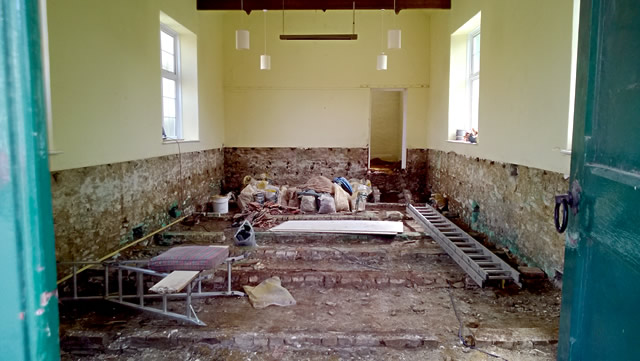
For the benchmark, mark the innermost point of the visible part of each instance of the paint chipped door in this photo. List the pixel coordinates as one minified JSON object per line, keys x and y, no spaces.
{"x":601,"y":291}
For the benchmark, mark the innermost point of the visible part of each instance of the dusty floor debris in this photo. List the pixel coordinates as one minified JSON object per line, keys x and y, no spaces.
{"x":358,"y":297}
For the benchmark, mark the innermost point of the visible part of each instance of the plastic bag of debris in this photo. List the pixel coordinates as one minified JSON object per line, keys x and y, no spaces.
{"x":308,"y":204}
{"x":269,"y":292}
{"x":327,"y":204}
{"x":319,"y":184}
{"x":245,"y":236}
{"x":271,"y":193}
{"x":341,"y":197}
{"x":292,"y":197}
{"x":246,"y":196}
{"x":282,"y":200}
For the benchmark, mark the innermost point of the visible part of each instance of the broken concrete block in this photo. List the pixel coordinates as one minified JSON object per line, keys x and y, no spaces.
{"x":531,"y":272}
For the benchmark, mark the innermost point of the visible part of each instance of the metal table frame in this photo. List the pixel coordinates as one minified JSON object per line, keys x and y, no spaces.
{"x":134,"y":266}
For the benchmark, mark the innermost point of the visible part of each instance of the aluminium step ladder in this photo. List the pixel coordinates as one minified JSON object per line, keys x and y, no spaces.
{"x":474,"y":258}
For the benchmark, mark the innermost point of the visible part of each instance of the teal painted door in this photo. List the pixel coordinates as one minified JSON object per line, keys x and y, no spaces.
{"x":601,"y":292}
{"x":28,"y":304}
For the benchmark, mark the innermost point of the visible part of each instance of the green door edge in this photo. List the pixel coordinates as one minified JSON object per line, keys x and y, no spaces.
{"x":29,"y":315}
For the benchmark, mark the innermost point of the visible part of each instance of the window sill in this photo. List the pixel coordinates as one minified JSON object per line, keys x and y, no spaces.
{"x":181,"y":141}
{"x":461,"y":142}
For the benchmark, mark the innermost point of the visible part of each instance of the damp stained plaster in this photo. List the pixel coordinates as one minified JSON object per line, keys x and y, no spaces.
{"x":292,"y":166}
{"x":515,"y":203}
{"x":95,"y":209}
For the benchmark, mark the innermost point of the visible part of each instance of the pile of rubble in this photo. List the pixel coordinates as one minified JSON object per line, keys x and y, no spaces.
{"x":260,"y":199}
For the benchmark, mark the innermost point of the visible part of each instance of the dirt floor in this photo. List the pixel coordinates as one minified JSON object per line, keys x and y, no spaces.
{"x":358,"y":297}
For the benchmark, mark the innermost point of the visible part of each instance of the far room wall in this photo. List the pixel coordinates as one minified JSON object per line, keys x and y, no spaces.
{"x":317,"y":93}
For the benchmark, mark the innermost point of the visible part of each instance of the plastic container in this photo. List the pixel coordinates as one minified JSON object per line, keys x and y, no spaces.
{"x":220,"y":204}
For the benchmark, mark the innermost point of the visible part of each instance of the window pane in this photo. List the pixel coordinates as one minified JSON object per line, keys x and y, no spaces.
{"x":168,"y":88}
{"x":475,"y":97}
{"x":169,"y":125}
{"x":475,"y":55}
{"x":169,"y":107}
{"x":168,"y":62}
{"x":166,"y":42}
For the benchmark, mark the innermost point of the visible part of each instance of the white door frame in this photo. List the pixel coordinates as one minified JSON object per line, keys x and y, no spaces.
{"x":404,"y":121}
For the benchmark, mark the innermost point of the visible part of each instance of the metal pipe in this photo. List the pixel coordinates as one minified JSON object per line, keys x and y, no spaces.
{"x":189,"y":300}
{"x":106,"y":280}
{"x":120,"y":284}
{"x":75,"y":281}
{"x":228,"y":276}
{"x":139,"y":284}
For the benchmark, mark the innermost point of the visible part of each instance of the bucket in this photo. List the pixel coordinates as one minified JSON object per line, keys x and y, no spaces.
{"x":220,"y":204}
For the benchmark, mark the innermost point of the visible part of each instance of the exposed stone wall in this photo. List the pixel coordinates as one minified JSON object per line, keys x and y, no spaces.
{"x":411,"y":178}
{"x":515,"y":203}
{"x":95,"y":209}
{"x":292,"y":166}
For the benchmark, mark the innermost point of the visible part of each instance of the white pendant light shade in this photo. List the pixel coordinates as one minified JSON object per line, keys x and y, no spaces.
{"x":242,"y":39}
{"x":265,"y":62}
{"x":394,"y":39}
{"x":382,"y":62}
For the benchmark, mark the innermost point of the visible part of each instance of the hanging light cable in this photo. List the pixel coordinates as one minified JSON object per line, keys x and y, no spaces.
{"x":242,"y":35}
{"x":394,"y":36}
{"x":382,"y":58}
{"x":265,"y":60}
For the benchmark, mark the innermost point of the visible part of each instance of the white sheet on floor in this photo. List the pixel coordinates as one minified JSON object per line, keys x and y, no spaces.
{"x":337,"y":226}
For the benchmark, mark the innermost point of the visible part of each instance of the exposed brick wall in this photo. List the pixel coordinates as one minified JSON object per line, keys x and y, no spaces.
{"x":411,"y":178}
{"x":292,"y":166}
{"x":515,"y":203}
{"x":96,"y":208}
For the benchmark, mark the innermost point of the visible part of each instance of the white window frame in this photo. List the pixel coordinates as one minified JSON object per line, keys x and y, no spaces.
{"x":471,"y":76}
{"x":175,"y":77}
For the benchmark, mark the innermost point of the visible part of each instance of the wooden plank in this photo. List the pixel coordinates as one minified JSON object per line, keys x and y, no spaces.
{"x":174,"y":282}
{"x":346,"y":226}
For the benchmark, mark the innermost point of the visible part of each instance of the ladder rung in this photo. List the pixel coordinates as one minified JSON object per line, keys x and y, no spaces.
{"x":500,"y":277}
{"x":488,"y":264}
{"x":479,"y":256}
{"x":496,"y":271}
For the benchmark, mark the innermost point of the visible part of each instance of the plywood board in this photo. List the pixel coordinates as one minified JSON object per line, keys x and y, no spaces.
{"x":174,"y":282}
{"x":346,"y":226}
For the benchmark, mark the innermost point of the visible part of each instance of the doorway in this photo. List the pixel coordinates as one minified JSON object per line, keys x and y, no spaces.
{"x":387,"y":136}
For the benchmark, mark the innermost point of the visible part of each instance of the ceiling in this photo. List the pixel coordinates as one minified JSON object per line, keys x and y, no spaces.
{"x":250,"y":5}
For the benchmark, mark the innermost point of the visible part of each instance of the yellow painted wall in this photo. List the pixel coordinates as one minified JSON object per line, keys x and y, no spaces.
{"x":386,"y":125}
{"x":524,"y":80}
{"x":105,"y":79}
{"x":317,"y":93}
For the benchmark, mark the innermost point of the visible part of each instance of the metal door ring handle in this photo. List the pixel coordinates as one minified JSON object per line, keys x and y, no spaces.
{"x":565,"y":215}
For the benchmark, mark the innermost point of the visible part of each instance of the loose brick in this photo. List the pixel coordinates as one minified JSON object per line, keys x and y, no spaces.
{"x":345,"y":341}
{"x":532,"y":272}
{"x":330,"y":341}
{"x":243,"y":341}
{"x":260,"y":341}
{"x":366,"y":340}
{"x":275,"y":341}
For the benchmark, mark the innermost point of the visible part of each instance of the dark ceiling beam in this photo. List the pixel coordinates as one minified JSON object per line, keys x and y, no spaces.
{"x":250,"y":5}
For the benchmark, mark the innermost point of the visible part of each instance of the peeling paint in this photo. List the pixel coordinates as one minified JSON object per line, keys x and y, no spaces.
{"x":45,"y":297}
{"x":39,"y":312}
{"x":21,"y":316}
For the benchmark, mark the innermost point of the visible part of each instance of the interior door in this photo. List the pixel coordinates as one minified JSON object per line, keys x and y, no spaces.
{"x":601,"y":291}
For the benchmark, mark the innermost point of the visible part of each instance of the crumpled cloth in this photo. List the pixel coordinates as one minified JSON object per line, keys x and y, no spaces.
{"x":269,"y":292}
